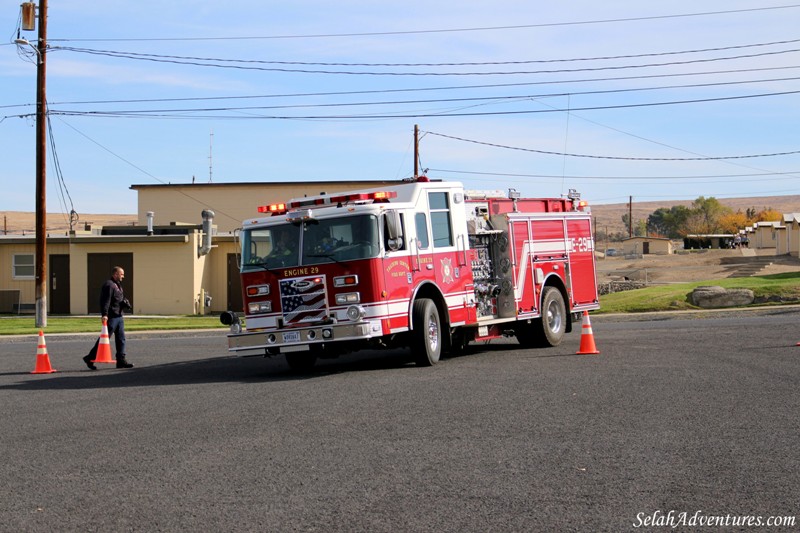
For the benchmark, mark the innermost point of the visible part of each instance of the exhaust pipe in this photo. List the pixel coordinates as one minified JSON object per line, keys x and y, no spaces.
{"x":208,"y":218}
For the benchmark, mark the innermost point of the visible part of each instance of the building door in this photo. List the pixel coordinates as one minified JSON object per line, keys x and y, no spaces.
{"x":58,"y":294}
{"x":99,"y":270}
{"x":645,"y":248}
{"x":235,"y":302}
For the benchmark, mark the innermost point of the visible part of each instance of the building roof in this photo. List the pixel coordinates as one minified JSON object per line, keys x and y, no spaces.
{"x":136,"y":187}
{"x":647,"y":239}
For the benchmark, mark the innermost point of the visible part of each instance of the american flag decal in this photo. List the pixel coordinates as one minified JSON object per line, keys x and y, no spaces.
{"x":303,"y":299}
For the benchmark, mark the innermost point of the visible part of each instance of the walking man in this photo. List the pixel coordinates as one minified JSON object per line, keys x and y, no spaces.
{"x":111,"y":309}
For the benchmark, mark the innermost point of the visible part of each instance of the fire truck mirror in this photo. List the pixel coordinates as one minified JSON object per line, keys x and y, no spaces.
{"x":394,"y":231}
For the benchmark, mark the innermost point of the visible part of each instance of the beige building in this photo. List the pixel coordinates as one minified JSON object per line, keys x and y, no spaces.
{"x":646,"y":245}
{"x":231,"y":202}
{"x":789,"y":242}
{"x":764,"y":235}
{"x":170,"y":270}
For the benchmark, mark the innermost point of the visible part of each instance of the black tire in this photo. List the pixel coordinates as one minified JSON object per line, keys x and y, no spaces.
{"x":549,"y":330}
{"x":426,"y":337}
{"x":301,"y":362}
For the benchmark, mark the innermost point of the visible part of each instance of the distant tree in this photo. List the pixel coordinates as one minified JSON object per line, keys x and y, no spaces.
{"x":708,"y":211}
{"x":639,"y":227}
{"x":767,"y":215}
{"x":733,"y":222}
{"x":668,"y":222}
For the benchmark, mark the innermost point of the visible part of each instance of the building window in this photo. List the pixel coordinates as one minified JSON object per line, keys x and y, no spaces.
{"x":22,"y":266}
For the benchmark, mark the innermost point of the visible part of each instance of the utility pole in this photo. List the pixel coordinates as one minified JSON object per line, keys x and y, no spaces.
{"x":630,"y":217}
{"x":28,"y":24}
{"x":416,"y":150}
{"x":41,"y":171}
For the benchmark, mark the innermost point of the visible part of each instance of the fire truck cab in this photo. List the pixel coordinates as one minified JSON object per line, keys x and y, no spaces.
{"x":424,"y":264}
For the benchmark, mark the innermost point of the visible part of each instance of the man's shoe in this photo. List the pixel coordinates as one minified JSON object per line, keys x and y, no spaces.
{"x":122,"y":363}
{"x":88,"y":360}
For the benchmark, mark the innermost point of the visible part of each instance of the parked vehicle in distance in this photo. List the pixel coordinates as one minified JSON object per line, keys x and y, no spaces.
{"x":611,"y":252}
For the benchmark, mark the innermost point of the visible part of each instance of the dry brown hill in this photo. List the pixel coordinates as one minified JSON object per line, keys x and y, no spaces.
{"x":608,"y":217}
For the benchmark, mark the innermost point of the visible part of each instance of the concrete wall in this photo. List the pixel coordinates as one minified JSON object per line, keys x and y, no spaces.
{"x":764,"y":236}
{"x":21,"y":245}
{"x":781,"y":244}
{"x":160,"y":268}
{"x":793,"y":238}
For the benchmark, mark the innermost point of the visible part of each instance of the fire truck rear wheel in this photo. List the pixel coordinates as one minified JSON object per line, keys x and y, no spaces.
{"x":548,"y":330}
{"x":426,"y":338}
{"x":554,"y":317}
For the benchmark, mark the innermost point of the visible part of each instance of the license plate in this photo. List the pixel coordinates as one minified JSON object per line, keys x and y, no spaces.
{"x":291,"y":336}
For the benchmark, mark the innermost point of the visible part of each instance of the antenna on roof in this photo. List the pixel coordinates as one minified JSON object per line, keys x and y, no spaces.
{"x":211,"y":156}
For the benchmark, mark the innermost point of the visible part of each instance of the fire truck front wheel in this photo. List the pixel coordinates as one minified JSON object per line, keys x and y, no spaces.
{"x":426,"y":338}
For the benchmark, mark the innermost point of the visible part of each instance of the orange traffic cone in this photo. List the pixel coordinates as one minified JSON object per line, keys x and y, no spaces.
{"x":587,"y":337}
{"x":103,"y":347}
{"x":42,"y":359}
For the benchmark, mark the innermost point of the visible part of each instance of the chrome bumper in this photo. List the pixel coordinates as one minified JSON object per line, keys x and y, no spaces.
{"x":295,"y":339}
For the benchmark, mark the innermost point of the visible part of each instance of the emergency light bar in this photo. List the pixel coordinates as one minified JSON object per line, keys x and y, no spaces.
{"x":378,"y":196}
{"x":273,"y":209}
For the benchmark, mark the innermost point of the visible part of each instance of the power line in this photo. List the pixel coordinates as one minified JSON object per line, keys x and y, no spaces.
{"x":416,"y":89}
{"x":176,"y":113}
{"x":618,"y":158}
{"x":787,"y":175}
{"x":143,"y":171}
{"x":451,"y":64}
{"x":213,"y":63}
{"x":488,"y":99}
{"x":447,"y":30}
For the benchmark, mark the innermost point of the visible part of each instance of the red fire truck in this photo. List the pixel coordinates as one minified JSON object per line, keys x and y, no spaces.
{"x":424,"y":264}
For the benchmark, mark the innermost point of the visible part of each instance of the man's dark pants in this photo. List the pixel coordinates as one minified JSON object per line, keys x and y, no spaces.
{"x":116,"y":328}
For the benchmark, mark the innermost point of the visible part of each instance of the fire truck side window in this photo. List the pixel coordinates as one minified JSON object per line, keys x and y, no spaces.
{"x":440,"y":219}
{"x":421,"y":221}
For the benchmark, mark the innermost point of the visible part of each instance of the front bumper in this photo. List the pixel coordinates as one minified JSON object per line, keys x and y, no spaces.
{"x":293,"y":339}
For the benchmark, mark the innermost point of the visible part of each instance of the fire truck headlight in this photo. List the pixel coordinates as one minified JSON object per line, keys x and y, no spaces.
{"x":257,"y":308}
{"x":355,"y":312}
{"x":345,"y":281}
{"x":348,"y":298}
{"x":271,"y":338}
{"x":257,"y":290}
{"x":327,"y":333}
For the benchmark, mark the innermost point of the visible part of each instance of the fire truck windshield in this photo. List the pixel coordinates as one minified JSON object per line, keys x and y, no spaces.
{"x":321,"y":241}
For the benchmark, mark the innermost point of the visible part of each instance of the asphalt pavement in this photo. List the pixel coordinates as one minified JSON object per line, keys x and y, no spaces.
{"x":686,"y":413}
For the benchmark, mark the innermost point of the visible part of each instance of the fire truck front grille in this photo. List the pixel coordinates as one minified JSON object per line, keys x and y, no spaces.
{"x":304,"y":299}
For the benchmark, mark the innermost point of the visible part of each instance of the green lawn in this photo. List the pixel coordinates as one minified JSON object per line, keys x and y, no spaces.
{"x":657,"y":298}
{"x":676,"y":297}
{"x":13,"y":325}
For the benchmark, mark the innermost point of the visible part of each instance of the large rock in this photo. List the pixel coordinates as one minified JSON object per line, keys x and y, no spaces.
{"x":713,"y":296}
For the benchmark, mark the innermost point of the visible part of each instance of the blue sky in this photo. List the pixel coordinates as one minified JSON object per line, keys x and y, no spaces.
{"x":542,"y":97}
